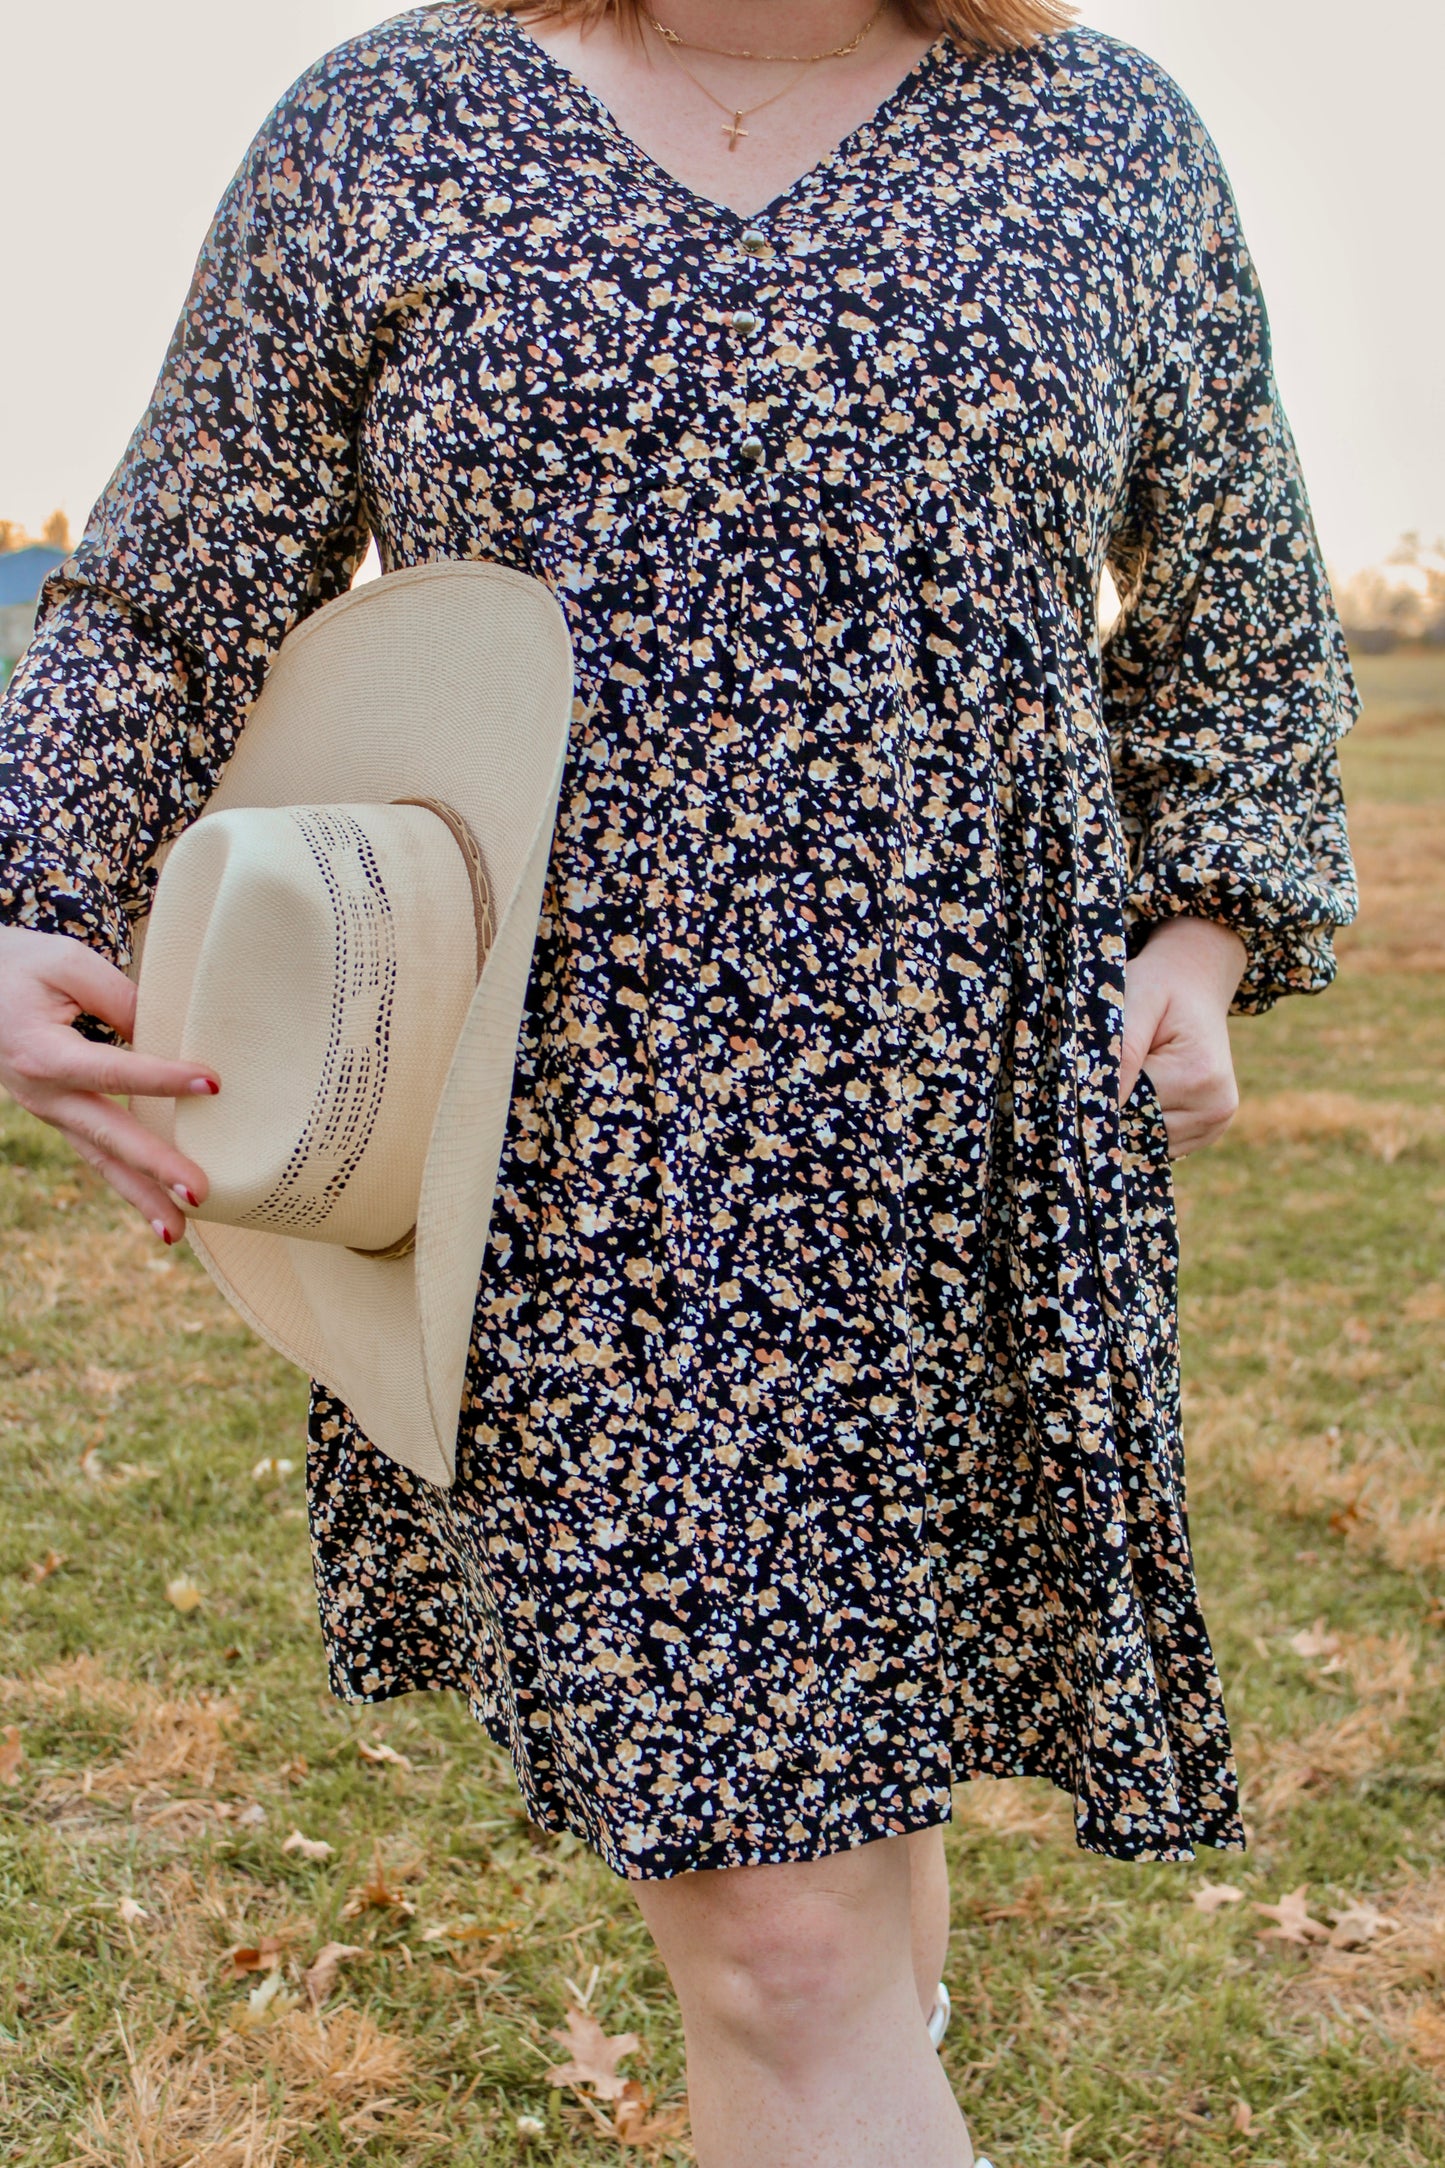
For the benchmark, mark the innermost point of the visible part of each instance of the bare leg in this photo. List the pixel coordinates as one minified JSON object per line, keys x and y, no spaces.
{"x":800,"y":2001}
{"x":929,"y":1909}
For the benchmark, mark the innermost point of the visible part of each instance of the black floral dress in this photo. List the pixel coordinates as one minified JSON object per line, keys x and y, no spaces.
{"x":822,"y":1444}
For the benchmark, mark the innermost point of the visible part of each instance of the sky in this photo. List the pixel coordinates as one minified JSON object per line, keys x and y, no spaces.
{"x":120,"y":126}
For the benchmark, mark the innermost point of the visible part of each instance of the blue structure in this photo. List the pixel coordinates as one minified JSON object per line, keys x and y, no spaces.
{"x":22,"y":571}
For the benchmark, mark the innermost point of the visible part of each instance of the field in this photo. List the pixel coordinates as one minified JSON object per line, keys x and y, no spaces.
{"x":189,"y":1825}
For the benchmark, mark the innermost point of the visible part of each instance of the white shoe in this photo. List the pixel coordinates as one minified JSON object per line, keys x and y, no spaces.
{"x":937,"y":2027}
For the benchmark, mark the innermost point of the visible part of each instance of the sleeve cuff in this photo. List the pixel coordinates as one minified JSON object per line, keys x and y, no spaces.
{"x":1288,"y":950}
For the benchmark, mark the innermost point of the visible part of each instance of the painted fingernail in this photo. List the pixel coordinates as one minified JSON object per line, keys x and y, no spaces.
{"x":184,"y":1196}
{"x":203,"y":1085}
{"x":162,"y":1234}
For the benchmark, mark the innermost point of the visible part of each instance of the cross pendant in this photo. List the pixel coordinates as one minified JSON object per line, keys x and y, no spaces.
{"x":732,"y":129}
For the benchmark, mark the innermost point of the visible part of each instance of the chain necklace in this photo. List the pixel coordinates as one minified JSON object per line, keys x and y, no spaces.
{"x":733,"y":127}
{"x":729,"y":52}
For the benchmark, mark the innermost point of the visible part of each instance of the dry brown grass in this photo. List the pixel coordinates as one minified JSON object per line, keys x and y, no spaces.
{"x":1399,"y":850}
{"x":1385,"y":1128}
{"x":1379,"y":1492}
{"x":1278,"y":1772}
{"x":1380,"y":1496}
{"x":1013,"y":1809}
{"x":1397,"y":1982}
{"x":242,"y":2101}
{"x":171,"y":1741}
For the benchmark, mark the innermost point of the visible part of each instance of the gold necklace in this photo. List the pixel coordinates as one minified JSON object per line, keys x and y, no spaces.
{"x":733,"y":127}
{"x":729,"y":52}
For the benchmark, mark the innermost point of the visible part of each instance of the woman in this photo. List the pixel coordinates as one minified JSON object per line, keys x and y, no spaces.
{"x":821,"y":1446}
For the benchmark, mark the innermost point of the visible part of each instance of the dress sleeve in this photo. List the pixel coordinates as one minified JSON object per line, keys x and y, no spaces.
{"x":235,"y":512}
{"x":1227,"y":684}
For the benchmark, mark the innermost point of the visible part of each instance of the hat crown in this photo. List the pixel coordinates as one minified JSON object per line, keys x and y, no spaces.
{"x":322,"y":959}
{"x":452,"y":680}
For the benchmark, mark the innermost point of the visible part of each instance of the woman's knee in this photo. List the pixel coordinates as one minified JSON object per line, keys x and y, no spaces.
{"x":780,"y":1957}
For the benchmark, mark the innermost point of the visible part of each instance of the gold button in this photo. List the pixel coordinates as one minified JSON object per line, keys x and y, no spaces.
{"x":745,"y":322}
{"x":755,"y":243}
{"x":751,"y":450}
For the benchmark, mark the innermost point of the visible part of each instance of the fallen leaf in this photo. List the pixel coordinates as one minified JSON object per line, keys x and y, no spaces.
{"x":43,"y":1568}
{"x":95,"y":1470}
{"x":107,"y":1384}
{"x":469,"y":1931}
{"x":377,"y":1894}
{"x":1211,"y":1895}
{"x":637,"y":2125}
{"x":271,"y":2000}
{"x":379,"y":1751}
{"x":255,"y":1956}
{"x":1242,"y":2117}
{"x":1315,"y":1641}
{"x":632,"y":2123}
{"x":319,"y":1978}
{"x":1293,"y":1920}
{"x":1359,"y":1925}
{"x":129,"y":1911}
{"x":315,"y":1848}
{"x":184,"y":1594}
{"x":594,"y":2056}
{"x":12,"y":1754}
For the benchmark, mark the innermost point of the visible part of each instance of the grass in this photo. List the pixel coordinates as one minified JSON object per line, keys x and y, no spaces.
{"x":154,"y":2002}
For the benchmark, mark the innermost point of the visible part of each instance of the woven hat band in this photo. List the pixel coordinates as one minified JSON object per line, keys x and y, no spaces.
{"x":484,"y":926}
{"x":339,"y":944}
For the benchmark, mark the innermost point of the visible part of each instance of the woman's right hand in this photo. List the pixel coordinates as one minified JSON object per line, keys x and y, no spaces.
{"x":46,"y":981}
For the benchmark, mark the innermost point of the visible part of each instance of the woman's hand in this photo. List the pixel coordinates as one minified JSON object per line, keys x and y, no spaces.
{"x":46,"y":981}
{"x":1177,"y":993}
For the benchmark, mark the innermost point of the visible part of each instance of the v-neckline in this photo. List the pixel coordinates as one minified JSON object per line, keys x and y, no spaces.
{"x":635,"y":155}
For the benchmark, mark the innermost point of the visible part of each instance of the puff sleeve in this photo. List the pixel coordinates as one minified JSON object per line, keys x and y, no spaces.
{"x":1227,"y":683}
{"x":235,"y":512}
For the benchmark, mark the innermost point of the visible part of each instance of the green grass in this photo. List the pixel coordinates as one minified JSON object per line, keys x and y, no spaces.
{"x":1102,"y":2017}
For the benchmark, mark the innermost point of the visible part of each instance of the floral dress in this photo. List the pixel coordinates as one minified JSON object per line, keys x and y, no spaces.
{"x":821,"y":1447}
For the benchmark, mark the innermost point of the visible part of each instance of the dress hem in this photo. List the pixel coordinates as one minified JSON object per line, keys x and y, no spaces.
{"x":1223,"y":1832}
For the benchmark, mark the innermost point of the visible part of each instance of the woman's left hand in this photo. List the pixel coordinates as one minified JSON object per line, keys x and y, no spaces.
{"x":1177,"y":994}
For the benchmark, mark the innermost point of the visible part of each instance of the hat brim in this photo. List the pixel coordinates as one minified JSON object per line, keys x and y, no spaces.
{"x":451,"y":681}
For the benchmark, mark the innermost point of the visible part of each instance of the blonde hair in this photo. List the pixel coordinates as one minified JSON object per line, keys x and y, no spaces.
{"x":980,"y":24}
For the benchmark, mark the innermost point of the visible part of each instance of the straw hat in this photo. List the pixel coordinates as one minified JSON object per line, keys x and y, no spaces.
{"x":345,"y":935}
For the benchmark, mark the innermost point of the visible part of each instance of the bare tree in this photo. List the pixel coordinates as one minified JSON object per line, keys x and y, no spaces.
{"x":1401,"y":599}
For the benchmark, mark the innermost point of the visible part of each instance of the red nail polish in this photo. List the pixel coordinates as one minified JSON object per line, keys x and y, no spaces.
{"x":168,"y":1238}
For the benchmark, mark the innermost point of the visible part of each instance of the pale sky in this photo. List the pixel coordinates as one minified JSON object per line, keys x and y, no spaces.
{"x":120,"y":125}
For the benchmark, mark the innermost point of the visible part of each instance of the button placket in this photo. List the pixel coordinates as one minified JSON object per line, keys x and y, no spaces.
{"x":745,"y":323}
